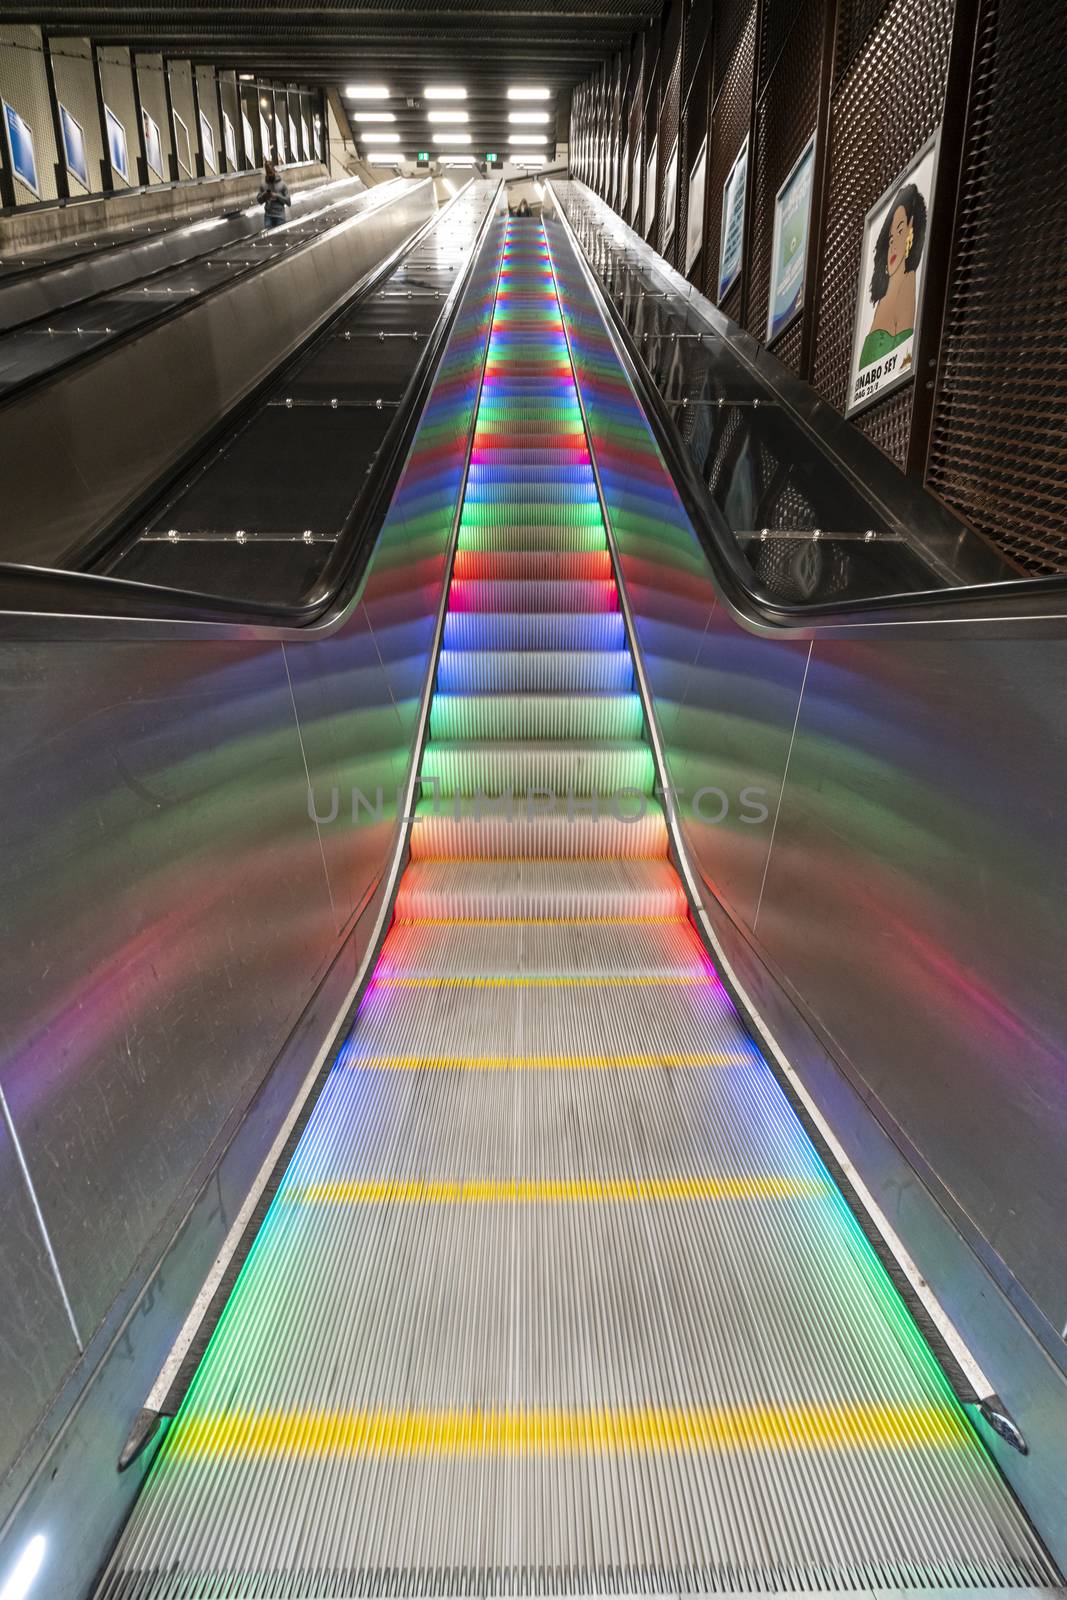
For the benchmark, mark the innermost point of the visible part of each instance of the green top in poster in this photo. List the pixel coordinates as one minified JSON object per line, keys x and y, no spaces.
{"x":733,"y":222}
{"x":789,"y":251}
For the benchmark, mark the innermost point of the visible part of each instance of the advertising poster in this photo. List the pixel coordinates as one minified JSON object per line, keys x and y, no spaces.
{"x":264,"y":134}
{"x":250,"y":141}
{"x":182,"y":147}
{"x":732,"y":237}
{"x":889,"y":293}
{"x":229,"y":141}
{"x":650,"y":190}
{"x":117,"y":152}
{"x":635,"y":192}
{"x":789,"y":247}
{"x":153,"y":144}
{"x":20,"y":147}
{"x":294,"y":146}
{"x":670,"y":196}
{"x":279,"y":140}
{"x":74,"y":152}
{"x":694,"y":217}
{"x":624,"y":178}
{"x":207,"y":144}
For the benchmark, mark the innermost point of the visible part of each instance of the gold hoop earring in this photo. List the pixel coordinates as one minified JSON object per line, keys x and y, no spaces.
{"x":911,"y":241}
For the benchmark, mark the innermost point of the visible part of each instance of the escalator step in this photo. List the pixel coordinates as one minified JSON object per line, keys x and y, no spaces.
{"x":571,"y":832}
{"x":531,"y":630}
{"x":536,"y":716}
{"x":540,"y":596}
{"x":668,"y":948}
{"x":533,"y":891}
{"x":493,"y":767}
{"x":534,"y":671}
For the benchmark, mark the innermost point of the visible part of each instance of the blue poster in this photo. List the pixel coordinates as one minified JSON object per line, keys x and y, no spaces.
{"x":153,"y":145}
{"x":732,"y":237}
{"x":74,"y":151}
{"x":116,"y":145}
{"x":789,"y":249}
{"x":20,"y":143}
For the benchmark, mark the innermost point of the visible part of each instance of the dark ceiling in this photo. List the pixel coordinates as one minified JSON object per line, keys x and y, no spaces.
{"x":475,"y":43}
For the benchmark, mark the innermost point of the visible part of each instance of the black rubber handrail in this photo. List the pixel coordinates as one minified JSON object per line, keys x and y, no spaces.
{"x":978,"y":602}
{"x":58,"y":592}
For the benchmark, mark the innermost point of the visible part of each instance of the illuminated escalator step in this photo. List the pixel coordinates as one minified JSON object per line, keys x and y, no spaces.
{"x":550,"y":1191}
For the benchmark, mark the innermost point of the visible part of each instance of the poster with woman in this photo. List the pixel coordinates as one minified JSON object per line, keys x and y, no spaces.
{"x":889,"y":294}
{"x":732,"y":235}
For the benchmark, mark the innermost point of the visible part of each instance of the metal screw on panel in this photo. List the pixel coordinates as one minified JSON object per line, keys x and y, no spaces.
{"x":288,"y":402}
{"x":240,"y":536}
{"x":722,"y":401}
{"x":378,"y":405}
{"x":816,"y":533}
{"x":765,"y":534}
{"x":348,"y":336}
{"x":308,"y":536}
{"x":333,"y":404}
{"x":755,"y":403}
{"x":869,"y":535}
{"x":172,"y":533}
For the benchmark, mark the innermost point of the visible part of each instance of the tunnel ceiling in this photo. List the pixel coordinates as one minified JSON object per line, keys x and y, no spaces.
{"x":479,"y":45}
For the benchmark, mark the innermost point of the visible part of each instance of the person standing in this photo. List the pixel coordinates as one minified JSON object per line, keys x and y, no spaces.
{"x":274,"y":196}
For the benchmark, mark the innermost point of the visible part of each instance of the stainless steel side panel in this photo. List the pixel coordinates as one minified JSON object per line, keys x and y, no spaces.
{"x":75,"y":453}
{"x":876,"y":813}
{"x":180,"y":933}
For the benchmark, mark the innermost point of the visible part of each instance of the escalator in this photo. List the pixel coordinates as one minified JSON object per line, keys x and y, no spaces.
{"x":556,"y":1294}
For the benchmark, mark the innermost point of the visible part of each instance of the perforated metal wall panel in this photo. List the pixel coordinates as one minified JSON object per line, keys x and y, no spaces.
{"x":72,"y":70}
{"x":735,"y":42}
{"x":153,"y":93}
{"x":785,"y":120}
{"x":997,"y":452}
{"x":24,"y":85}
{"x":669,"y":117}
{"x":884,"y":109}
{"x":116,"y":83}
{"x":181,"y":99}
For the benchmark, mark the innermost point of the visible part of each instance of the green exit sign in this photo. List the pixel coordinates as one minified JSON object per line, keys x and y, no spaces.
{"x":490,"y":155}
{"x":424,"y":155}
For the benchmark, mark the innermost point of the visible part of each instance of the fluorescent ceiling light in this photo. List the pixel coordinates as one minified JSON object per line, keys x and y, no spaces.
{"x":374,"y":116}
{"x":25,"y":1570}
{"x":387,"y":138}
{"x":447,"y":116}
{"x":367,"y":91}
{"x":247,"y":77}
{"x":384,"y":158}
{"x":444,"y":91}
{"x":520,"y":91}
{"x":528,"y":116}
{"x":521,"y":139}
{"x":451,"y":138}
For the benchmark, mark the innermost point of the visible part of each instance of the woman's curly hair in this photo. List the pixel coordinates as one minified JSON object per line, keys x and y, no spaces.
{"x":914,"y":206}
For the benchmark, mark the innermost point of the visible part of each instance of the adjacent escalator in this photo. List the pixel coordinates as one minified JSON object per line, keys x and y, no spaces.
{"x":556,"y":1295}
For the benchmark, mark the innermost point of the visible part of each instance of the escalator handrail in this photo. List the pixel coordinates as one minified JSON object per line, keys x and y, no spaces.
{"x":59,"y":592}
{"x":1021,"y":597}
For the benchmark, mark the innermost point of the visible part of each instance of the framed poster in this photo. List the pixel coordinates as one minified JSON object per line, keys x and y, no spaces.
{"x":74,"y":152}
{"x":650,"y":189}
{"x":305,"y":135}
{"x":294,"y":147}
{"x":624,"y":178}
{"x":889,"y":293}
{"x":250,"y":141}
{"x":670,"y":196}
{"x":789,"y":246}
{"x":153,"y":144}
{"x":635,"y":188}
{"x":182,"y":147}
{"x":694,"y":217}
{"x":117,"y":151}
{"x":279,"y":140}
{"x":229,"y":141}
{"x":732,"y":236}
{"x":20,"y":148}
{"x":265,"y":139}
{"x":207,"y":144}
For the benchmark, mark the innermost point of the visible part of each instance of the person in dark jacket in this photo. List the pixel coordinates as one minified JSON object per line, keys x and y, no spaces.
{"x":273,"y":196}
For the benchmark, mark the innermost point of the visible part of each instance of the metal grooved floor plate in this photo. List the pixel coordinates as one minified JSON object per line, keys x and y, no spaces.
{"x":556,"y":1296}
